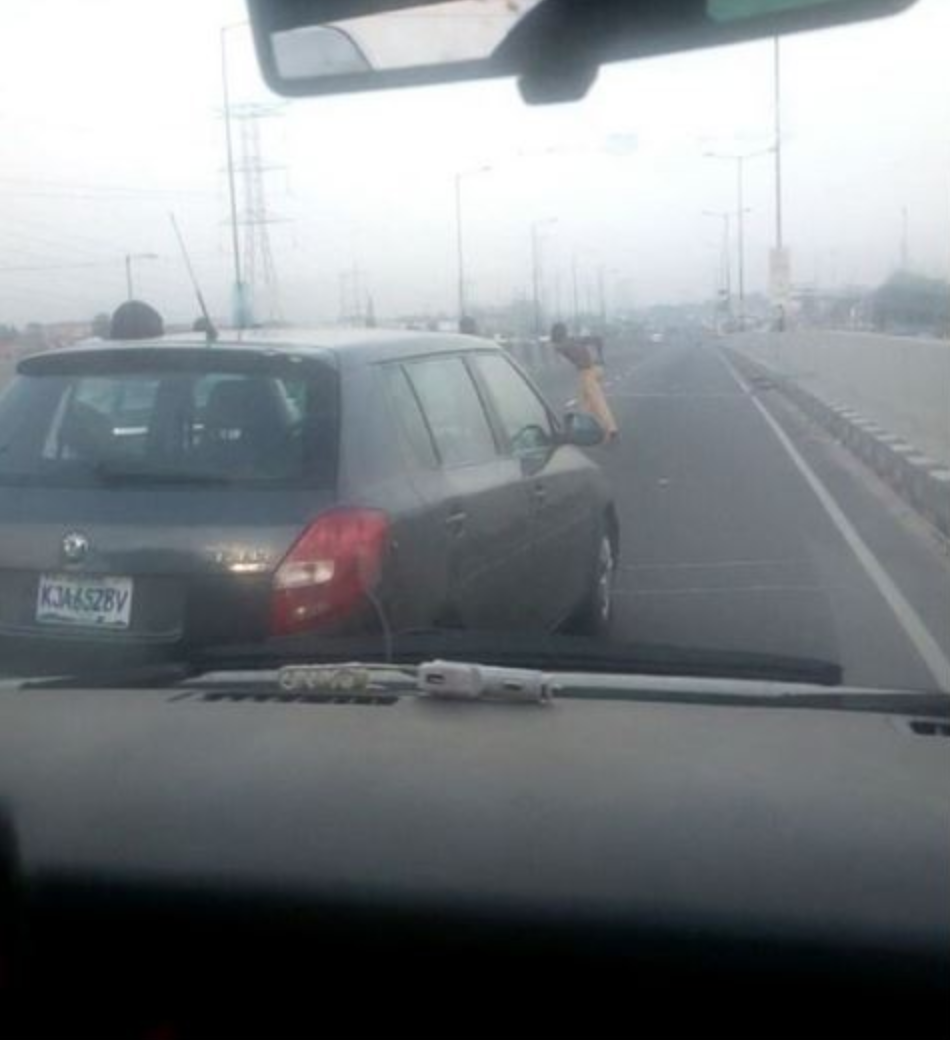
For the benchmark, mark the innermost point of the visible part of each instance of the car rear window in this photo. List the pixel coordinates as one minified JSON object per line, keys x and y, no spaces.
{"x":210,"y":423}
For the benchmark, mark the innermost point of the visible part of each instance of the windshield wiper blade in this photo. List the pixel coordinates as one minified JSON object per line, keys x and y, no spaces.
{"x":547,"y":653}
{"x":119,"y":677}
{"x":542,"y":652}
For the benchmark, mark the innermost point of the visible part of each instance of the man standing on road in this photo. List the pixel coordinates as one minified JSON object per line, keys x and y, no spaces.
{"x":587,"y":356}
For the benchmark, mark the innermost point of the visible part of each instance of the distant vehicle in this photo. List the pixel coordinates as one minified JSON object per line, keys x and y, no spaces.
{"x":656,"y":337}
{"x":163,"y":494}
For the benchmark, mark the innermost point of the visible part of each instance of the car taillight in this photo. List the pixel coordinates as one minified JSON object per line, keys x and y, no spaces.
{"x":329,"y":569}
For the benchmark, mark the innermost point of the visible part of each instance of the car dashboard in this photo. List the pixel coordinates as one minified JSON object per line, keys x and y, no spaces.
{"x":208,"y":862}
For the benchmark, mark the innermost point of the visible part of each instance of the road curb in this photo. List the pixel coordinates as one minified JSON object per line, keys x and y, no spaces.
{"x":922,"y":482}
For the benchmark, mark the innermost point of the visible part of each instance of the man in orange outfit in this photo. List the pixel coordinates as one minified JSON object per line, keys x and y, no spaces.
{"x":586,"y":355}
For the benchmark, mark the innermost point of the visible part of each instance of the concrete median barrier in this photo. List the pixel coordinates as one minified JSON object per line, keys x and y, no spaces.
{"x":901,"y":383}
{"x":921,"y":480}
{"x":8,"y":360}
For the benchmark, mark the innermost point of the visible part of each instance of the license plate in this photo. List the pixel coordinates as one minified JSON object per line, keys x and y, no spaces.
{"x":88,"y":602}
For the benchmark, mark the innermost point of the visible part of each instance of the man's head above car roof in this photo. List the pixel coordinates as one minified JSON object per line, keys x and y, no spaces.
{"x":135,"y":319}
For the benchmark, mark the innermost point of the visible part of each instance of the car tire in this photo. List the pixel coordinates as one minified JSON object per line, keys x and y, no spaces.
{"x":595,"y":614}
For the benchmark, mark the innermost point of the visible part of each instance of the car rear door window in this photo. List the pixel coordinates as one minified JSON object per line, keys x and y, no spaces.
{"x":454,"y":411}
{"x":408,"y":414}
{"x":523,"y":415}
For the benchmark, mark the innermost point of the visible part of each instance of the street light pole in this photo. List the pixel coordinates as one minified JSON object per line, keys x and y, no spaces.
{"x":129,"y":257}
{"x":602,"y":297}
{"x":461,"y":255}
{"x":536,"y":280}
{"x":725,"y":258}
{"x":778,"y":146}
{"x":460,"y":258}
{"x":232,"y":190}
{"x":740,"y":231}
{"x":740,"y":161}
{"x":577,"y":304}
{"x":536,"y":273}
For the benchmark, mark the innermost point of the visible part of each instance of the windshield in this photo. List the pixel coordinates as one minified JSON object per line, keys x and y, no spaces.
{"x":663,"y":372}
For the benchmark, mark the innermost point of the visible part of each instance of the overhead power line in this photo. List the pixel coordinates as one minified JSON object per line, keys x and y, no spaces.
{"x":59,"y":267}
{"x":20,"y":185}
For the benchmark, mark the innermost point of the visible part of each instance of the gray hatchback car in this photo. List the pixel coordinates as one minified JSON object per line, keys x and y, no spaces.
{"x":169,"y":494}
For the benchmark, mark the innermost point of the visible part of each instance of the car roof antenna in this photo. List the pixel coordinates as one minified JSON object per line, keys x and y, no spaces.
{"x":204,"y":323}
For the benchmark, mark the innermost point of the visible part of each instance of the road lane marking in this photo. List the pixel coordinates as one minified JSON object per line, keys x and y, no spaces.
{"x":937,"y":662}
{"x":720,"y":590}
{"x":679,"y":395}
{"x":709,"y":566}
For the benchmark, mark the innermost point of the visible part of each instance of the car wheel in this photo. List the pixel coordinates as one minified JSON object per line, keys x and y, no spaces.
{"x":596,"y":612}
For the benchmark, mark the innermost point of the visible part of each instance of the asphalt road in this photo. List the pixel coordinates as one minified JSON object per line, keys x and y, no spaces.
{"x":731,"y":542}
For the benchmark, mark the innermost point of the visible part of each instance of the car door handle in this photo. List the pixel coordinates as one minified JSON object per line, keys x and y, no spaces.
{"x":455,"y":521}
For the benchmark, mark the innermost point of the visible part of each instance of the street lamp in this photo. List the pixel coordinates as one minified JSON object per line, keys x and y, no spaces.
{"x":536,"y":271}
{"x":129,"y":257}
{"x":725,"y":262}
{"x":458,"y":232}
{"x":740,"y":161}
{"x":240,"y":301}
{"x":602,"y":273}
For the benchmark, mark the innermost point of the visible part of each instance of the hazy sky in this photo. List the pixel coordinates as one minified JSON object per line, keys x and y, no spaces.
{"x":110,"y":118}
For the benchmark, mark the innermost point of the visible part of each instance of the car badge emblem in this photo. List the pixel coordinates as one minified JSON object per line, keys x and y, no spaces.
{"x":75,"y":547}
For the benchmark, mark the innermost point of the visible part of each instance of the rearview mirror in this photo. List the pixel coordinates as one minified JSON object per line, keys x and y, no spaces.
{"x":554,"y":47}
{"x":582,"y":430}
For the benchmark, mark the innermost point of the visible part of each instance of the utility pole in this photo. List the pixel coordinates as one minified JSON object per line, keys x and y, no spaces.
{"x":258,"y":259}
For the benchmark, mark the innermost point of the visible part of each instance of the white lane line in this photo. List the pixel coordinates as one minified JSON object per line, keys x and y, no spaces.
{"x":910,"y":621}
{"x":683,"y":395}
{"x":719,"y":590}
{"x":711,"y":565}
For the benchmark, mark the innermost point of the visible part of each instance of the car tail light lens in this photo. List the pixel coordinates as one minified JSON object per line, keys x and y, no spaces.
{"x":329,"y":569}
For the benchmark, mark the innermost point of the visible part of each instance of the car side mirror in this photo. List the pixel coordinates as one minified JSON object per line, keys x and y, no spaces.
{"x":582,"y":430}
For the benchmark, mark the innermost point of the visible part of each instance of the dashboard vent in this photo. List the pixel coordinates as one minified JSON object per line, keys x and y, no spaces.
{"x":929,"y":728}
{"x":280,"y":697}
